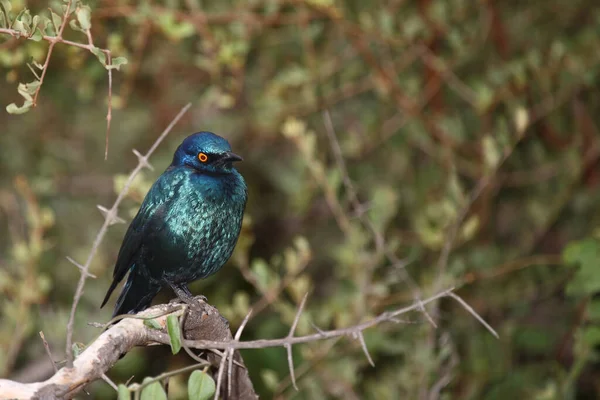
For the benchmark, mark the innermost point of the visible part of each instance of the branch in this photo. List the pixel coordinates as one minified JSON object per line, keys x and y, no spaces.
{"x":205,"y":329}
{"x":203,"y":322}
{"x":110,"y":218}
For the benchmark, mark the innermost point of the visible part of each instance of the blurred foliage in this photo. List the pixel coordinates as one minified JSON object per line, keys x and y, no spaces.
{"x":471,"y":138}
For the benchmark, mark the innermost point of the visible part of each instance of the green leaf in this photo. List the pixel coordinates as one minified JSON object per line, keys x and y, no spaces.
{"x":174,"y":333}
{"x":124,"y":393}
{"x":585,"y":254}
{"x":117,"y":62}
{"x":201,"y":386}
{"x":20,"y":27}
{"x":593,"y":311}
{"x":37,"y":35}
{"x":100,"y":54}
{"x":152,"y":323}
{"x":174,"y":29}
{"x":84,"y":16}
{"x":56,"y":21}
{"x":14,"y":109}
{"x":591,"y":335}
{"x":153,"y":391}
{"x":77,"y":349}
{"x":5,"y":16}
{"x":75,"y":26}
{"x":6,"y":5}
{"x":29,"y":88}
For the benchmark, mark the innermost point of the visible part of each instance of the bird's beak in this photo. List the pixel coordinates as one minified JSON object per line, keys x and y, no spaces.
{"x":230,"y":157}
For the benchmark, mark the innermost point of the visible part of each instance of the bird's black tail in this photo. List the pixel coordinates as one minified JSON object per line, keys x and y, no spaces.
{"x":137,"y":294}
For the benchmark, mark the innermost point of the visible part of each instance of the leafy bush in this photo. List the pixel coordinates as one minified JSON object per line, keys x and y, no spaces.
{"x":469,"y":155}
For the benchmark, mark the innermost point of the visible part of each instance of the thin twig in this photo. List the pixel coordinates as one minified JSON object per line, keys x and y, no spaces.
{"x":237,"y":336}
{"x":361,"y":339}
{"x":388,"y":316}
{"x":220,"y":373}
{"x":47,"y":347}
{"x":102,"y":353}
{"x":50,"y":48}
{"x":109,"y":112}
{"x":110,"y":382}
{"x":288,"y":346}
{"x":110,"y":217}
{"x":474,"y":313}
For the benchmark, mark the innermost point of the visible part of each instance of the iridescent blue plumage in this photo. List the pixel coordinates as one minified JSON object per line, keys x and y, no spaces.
{"x":186,"y":227}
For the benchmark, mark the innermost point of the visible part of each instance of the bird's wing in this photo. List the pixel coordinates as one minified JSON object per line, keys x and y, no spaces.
{"x":148,"y":219}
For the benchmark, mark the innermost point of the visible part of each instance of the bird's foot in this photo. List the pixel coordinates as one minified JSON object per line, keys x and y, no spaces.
{"x":184,"y":294}
{"x":201,"y":297}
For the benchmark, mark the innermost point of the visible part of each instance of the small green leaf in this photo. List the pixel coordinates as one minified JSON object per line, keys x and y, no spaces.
{"x":174,"y":333}
{"x":25,"y":17}
{"x":77,"y":349}
{"x":100,"y":54}
{"x":152,"y":323}
{"x":31,"y":87}
{"x":56,"y":21}
{"x":153,"y":391}
{"x":591,"y":335}
{"x":7,"y":6}
{"x":37,"y":35}
{"x":14,"y":109}
{"x":20,"y":27}
{"x":84,"y":16}
{"x":117,"y":62}
{"x":75,"y":26}
{"x":584,"y":254}
{"x":201,"y":386}
{"x":124,"y":393}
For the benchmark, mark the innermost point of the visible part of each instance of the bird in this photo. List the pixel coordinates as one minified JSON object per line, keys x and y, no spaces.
{"x":186,"y":227}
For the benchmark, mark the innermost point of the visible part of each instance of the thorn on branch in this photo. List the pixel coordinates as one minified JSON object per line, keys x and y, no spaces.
{"x":288,"y":346}
{"x":47,"y":347}
{"x":143,"y":160}
{"x":473,"y":313}
{"x":110,"y":215}
{"x":81,"y":268}
{"x":361,"y":339}
{"x":236,"y":338}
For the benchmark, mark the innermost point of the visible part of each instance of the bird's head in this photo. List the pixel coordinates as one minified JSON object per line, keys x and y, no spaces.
{"x":205,"y":152}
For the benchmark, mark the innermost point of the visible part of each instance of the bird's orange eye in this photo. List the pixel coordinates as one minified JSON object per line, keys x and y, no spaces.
{"x":202,"y":157}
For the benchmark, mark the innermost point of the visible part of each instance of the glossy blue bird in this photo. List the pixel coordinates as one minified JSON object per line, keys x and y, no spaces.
{"x":187,"y":226}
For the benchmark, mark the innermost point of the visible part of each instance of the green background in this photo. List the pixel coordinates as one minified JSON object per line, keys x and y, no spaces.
{"x":470,"y":134}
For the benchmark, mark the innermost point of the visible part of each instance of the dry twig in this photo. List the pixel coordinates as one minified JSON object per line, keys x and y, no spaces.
{"x":208,"y":329}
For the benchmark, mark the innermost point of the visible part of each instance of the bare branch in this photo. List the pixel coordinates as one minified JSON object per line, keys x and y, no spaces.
{"x":210,"y":331}
{"x":220,"y":373}
{"x":81,"y":268}
{"x":47,"y":347}
{"x":288,"y":346}
{"x":388,"y":316}
{"x":361,"y":339}
{"x":110,"y":382}
{"x":105,"y":351}
{"x":474,"y":313}
{"x":110,"y":215}
{"x":237,"y":336}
